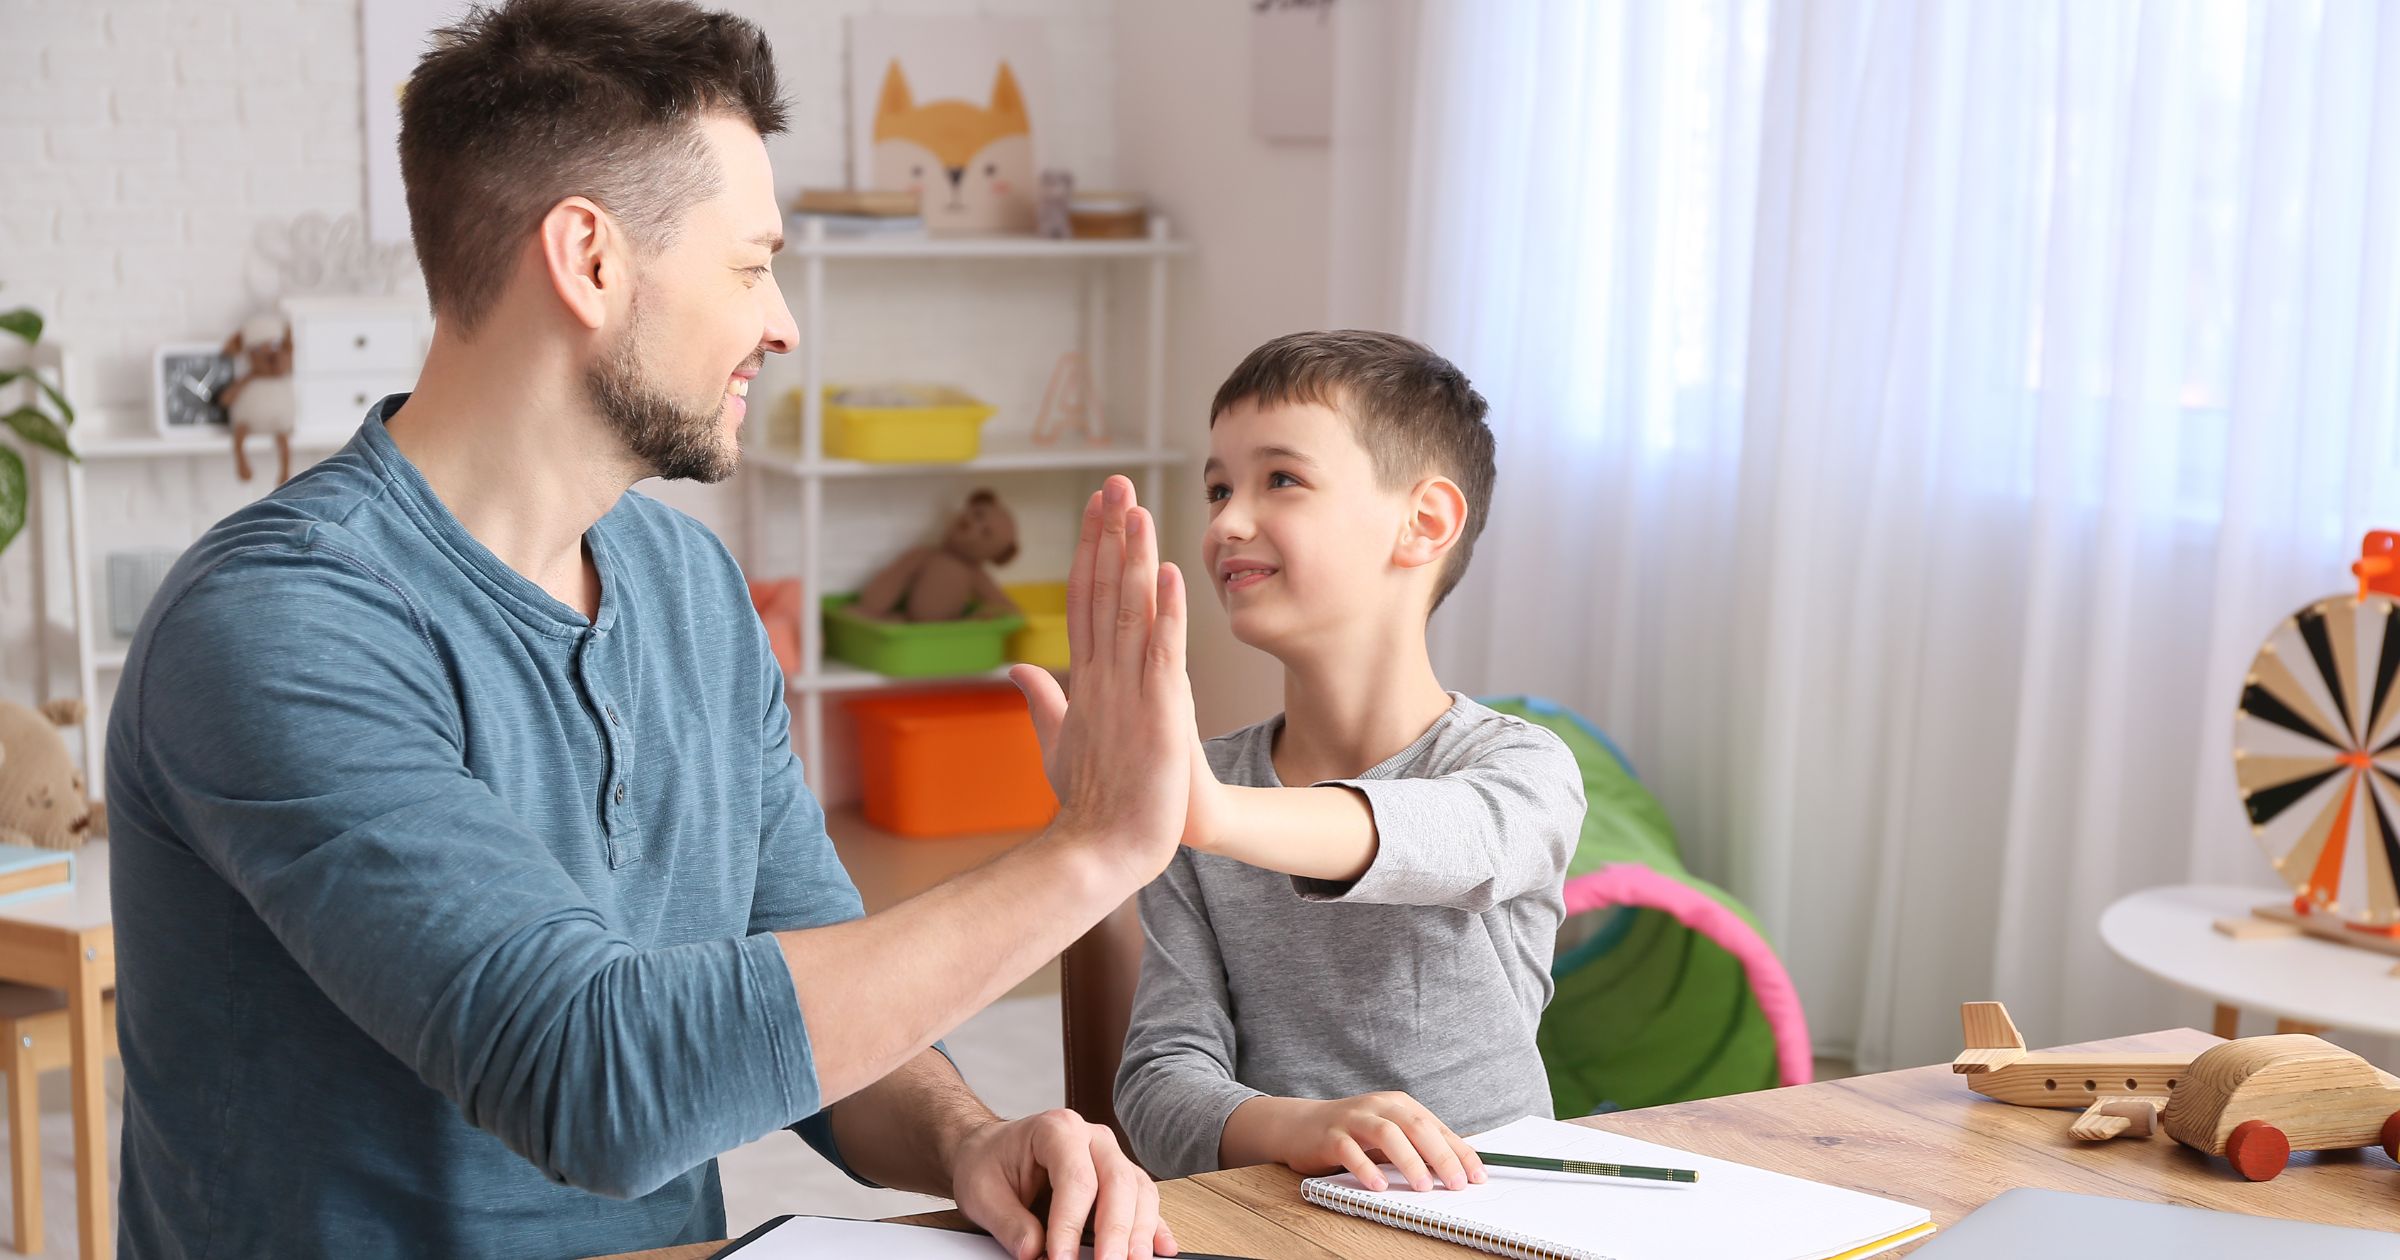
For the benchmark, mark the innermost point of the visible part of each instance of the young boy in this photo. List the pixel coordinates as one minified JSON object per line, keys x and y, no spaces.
{"x":1352,"y":970}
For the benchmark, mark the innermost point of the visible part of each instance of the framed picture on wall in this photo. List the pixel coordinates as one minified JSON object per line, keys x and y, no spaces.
{"x":185,"y":378}
{"x":952,"y":109}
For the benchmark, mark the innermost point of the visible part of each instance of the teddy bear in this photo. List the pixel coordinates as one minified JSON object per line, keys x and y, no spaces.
{"x":948,"y":582}
{"x":42,"y":801}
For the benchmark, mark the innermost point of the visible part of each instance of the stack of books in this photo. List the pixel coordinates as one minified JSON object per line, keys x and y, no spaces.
{"x":27,"y":871}
{"x":861,"y":211}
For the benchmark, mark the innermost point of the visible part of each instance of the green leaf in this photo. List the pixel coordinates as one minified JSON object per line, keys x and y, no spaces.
{"x":40,"y":430}
{"x":66,"y":412}
{"x":12,"y":496}
{"x":24,"y":321}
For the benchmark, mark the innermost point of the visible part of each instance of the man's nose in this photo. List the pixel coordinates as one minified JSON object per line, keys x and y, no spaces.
{"x":782,"y":335}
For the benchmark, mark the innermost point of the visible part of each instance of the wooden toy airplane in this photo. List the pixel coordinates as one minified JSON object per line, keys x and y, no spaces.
{"x":2252,"y":1101}
{"x":2119,"y":1094}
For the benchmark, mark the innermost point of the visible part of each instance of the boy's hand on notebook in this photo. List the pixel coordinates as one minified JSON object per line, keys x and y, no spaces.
{"x":1116,"y":756}
{"x":1355,"y":1133}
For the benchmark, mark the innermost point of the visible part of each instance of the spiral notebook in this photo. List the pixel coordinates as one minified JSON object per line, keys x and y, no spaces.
{"x":1734,"y":1210}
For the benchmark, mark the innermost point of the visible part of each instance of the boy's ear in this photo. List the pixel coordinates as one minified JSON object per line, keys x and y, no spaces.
{"x":1437,"y":516}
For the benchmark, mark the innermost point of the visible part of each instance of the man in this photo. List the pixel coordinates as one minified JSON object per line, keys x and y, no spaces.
{"x":470,"y":897}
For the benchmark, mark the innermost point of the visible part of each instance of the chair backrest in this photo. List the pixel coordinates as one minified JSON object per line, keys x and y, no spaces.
{"x":1095,"y":979}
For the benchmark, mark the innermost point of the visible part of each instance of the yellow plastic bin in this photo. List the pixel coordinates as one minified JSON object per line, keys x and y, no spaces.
{"x":1043,"y":641}
{"x":903,"y":424}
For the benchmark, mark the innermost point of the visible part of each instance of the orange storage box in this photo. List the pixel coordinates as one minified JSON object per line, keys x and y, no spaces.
{"x":951,"y":763}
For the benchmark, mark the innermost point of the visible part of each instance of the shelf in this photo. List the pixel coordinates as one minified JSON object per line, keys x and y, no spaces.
{"x":1013,"y":456}
{"x":992,"y":247}
{"x":214,"y":444}
{"x":840,"y":676}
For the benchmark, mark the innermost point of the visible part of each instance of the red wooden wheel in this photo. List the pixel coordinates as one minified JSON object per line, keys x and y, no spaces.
{"x":2391,"y":1136}
{"x":2260,"y":1150}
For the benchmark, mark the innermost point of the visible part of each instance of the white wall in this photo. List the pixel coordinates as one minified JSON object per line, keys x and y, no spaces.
{"x":147,"y":143}
{"x":1260,"y":213}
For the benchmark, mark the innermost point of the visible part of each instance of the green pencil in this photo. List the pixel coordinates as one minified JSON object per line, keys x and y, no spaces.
{"x":1588,"y":1168}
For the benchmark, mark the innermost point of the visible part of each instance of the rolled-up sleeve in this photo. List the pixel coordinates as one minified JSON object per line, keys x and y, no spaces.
{"x":1500,"y":827}
{"x":801,"y":882}
{"x":310,"y":747}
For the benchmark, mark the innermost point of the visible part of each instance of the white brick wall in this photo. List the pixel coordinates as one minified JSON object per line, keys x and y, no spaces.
{"x":146,"y":141}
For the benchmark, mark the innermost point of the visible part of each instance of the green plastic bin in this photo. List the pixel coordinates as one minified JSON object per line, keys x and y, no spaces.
{"x":934,"y":649}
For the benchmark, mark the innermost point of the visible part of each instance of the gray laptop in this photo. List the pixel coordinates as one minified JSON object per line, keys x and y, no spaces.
{"x":2054,"y":1225}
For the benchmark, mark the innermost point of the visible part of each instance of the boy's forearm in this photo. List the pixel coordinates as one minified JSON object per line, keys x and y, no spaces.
{"x":1323,"y":833}
{"x":1255,"y":1132}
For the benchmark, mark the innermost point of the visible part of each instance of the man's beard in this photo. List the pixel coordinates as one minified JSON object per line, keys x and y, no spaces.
{"x":669,"y":439}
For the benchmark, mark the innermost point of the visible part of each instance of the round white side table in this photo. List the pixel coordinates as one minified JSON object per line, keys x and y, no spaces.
{"x":2308,"y":984}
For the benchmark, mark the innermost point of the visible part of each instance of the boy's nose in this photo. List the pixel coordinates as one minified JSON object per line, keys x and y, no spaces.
{"x":1230,"y":525}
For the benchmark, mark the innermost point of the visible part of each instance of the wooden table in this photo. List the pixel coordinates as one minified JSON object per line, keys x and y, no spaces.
{"x":1916,"y":1135}
{"x":67,"y":941}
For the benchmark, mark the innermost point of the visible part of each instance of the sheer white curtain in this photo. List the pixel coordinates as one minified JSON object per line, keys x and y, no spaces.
{"x":1912,"y":417}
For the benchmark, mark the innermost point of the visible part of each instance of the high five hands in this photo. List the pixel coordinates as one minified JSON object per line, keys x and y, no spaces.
{"x":1119,"y":756}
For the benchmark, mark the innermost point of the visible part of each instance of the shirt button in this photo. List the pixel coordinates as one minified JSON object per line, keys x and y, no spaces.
{"x":620,"y":794}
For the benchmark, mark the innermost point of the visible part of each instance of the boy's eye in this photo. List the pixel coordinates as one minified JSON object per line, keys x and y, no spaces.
{"x":1276,"y":481}
{"x":1218,"y":492}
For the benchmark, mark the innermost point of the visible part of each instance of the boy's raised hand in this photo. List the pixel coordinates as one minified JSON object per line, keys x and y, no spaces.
{"x":1118,"y":755}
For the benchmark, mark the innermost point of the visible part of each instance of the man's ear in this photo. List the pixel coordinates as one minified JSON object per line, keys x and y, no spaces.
{"x":585,"y":259}
{"x":1437,"y":517}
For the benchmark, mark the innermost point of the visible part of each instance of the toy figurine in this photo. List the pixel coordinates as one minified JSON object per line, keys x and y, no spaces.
{"x":262,"y":401}
{"x":949,"y":582}
{"x":1050,"y":213}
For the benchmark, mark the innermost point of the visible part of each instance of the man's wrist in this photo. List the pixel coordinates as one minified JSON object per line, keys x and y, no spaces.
{"x":952,"y":1138}
{"x":1096,"y":864}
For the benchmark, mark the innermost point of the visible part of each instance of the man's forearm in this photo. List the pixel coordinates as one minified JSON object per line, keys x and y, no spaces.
{"x":876,"y":991}
{"x":1323,"y":833}
{"x":903,"y":1130}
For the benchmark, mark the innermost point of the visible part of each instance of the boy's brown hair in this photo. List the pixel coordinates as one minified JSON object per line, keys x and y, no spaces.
{"x":1412,"y":410}
{"x":525,"y":103}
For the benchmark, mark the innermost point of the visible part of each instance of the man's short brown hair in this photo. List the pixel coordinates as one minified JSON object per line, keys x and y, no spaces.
{"x":525,"y":103}
{"x":1413,"y":411}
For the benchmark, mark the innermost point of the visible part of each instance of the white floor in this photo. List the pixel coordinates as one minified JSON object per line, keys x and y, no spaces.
{"x":1010,"y":1054}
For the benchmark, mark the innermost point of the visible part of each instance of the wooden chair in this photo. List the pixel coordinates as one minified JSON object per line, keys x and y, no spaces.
{"x":1095,"y":990}
{"x":34,"y":1040}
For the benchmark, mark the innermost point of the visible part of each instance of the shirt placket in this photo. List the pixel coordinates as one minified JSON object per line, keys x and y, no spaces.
{"x":619,"y":811}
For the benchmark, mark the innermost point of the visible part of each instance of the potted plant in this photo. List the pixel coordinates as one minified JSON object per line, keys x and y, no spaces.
{"x":40,"y":420}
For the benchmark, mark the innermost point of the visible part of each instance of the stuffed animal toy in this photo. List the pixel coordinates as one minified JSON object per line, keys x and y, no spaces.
{"x":948,"y":582}
{"x":41,"y":793}
{"x":263,"y":401}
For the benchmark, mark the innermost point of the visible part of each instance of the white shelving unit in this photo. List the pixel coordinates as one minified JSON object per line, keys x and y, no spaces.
{"x":811,"y":253}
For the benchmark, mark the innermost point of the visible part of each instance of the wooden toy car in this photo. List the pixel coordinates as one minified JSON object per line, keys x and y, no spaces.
{"x":2257,"y":1100}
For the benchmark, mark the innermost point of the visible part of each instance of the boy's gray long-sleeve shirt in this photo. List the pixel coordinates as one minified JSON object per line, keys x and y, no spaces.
{"x":1428,"y":974}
